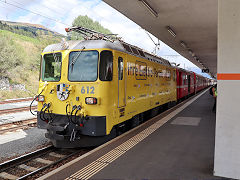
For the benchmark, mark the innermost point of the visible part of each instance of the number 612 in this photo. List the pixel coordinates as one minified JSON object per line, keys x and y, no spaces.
{"x":87,"y":90}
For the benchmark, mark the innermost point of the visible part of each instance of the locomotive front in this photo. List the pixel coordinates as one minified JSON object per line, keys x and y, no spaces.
{"x":74,"y":90}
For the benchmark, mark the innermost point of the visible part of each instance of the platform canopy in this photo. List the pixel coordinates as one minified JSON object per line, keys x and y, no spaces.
{"x":187,"y":26}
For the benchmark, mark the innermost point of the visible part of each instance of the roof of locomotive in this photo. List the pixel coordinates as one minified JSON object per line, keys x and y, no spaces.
{"x":88,"y":44}
{"x":102,"y":44}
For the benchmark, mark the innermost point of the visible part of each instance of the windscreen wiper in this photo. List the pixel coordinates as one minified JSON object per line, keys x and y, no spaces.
{"x":56,"y":59}
{"x":75,"y":58}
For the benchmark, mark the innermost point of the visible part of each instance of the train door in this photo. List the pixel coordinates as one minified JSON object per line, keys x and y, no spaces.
{"x":178,"y":83}
{"x":189,"y":83}
{"x":121,"y":82}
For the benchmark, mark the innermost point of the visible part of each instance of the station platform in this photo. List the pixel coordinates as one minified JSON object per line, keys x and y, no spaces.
{"x":177,"y":144}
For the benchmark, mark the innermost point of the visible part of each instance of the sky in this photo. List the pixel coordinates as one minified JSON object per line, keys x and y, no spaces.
{"x":58,"y":16}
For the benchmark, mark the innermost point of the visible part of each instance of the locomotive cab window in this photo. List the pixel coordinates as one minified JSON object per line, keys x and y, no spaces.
{"x":83,"y":66}
{"x":51,"y":67}
{"x":120,"y":68}
{"x":106,"y":66}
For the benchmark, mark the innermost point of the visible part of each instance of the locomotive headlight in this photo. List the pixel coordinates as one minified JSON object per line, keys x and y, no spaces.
{"x":91,"y":100}
{"x":40,"y":98}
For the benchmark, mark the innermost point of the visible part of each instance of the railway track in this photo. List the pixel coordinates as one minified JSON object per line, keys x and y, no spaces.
{"x":35,"y":162}
{"x":13,"y":126}
{"x":27,"y":166}
{"x":9,"y":126}
{"x":16,"y":100}
{"x":14,"y":110}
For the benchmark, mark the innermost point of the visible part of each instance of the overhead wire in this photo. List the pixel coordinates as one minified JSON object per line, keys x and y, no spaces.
{"x":157,"y":45}
{"x":52,"y":19}
{"x":36,"y":13}
{"x":40,"y":14}
{"x":52,"y":10}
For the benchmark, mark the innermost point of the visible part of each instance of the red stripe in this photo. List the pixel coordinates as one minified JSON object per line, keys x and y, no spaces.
{"x":228,"y":76}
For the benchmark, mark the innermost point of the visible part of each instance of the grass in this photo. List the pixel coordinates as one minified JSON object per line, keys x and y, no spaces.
{"x":26,"y":72}
{"x":45,"y":40}
{"x":18,"y":36}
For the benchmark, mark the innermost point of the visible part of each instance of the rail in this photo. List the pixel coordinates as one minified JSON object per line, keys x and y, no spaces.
{"x":16,"y":100}
{"x":19,"y":168}
{"x":13,"y":126}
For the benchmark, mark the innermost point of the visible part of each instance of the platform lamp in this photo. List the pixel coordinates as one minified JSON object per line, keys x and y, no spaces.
{"x":149,"y":8}
{"x":183,"y":44}
{"x":171,"y":31}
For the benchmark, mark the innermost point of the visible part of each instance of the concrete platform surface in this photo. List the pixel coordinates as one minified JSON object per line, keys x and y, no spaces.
{"x":177,"y":144}
{"x":17,"y":143}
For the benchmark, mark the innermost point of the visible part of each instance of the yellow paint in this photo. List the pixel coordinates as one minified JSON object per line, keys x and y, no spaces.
{"x":136,"y":93}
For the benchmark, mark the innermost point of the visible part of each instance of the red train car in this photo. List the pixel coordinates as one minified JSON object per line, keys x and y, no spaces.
{"x":201,"y":83}
{"x":185,"y":83}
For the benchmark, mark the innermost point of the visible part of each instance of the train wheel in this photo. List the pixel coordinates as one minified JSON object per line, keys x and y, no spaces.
{"x":121,"y":128}
{"x":141,"y":118}
{"x":171,"y":104}
{"x":154,"y":112}
{"x":135,"y":121}
{"x":174,"y":103}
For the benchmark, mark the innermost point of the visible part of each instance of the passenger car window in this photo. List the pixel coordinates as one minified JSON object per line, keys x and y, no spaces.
{"x":106,"y":66}
{"x":183,"y":79}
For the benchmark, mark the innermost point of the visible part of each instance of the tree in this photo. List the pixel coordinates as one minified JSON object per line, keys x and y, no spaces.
{"x":86,"y":22}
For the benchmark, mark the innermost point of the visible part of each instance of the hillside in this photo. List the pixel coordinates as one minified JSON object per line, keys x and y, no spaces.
{"x":20,"y":63}
{"x":27,"y":29}
{"x":38,"y":26}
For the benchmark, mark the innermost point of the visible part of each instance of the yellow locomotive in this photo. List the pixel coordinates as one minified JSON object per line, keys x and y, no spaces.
{"x":90,"y":89}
